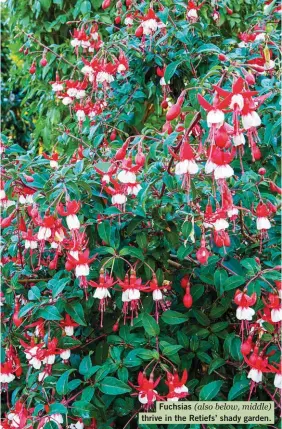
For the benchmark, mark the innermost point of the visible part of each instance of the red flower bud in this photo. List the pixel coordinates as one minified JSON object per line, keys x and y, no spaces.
{"x":256,"y":153}
{"x":117,"y":20}
{"x":184,"y":282}
{"x":187,"y":300}
{"x":222,"y":57}
{"x":167,"y":128}
{"x":106,"y":4}
{"x":32,"y":69}
{"x":160,"y":71}
{"x":221,"y":137}
{"x":250,"y":79}
{"x":202,"y":255}
{"x":262,"y":171}
{"x":275,"y":188}
{"x":113,"y":135}
{"x":139,"y":31}
{"x":173,"y":112}
{"x":229,"y":11}
{"x":140,"y":159}
{"x":115,"y":327}
{"x":164,"y":104}
{"x":43,"y":62}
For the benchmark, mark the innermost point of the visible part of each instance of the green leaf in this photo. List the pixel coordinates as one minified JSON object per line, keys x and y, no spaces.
{"x":150,"y":325}
{"x":68,"y":342}
{"x":57,"y":407}
{"x":201,"y":317}
{"x":114,"y":386}
{"x":75,"y":310}
{"x":216,"y":363}
{"x":133,"y":252}
{"x":49,"y":313}
{"x":207,"y":48}
{"x":57,"y":286}
{"x":25,"y":309}
{"x":220,"y":278}
{"x":174,"y":317}
{"x":34,"y":293}
{"x":83,"y":409}
{"x":62,"y":383}
{"x":85,"y":365}
{"x":239,"y":388}
{"x":169,"y":349}
{"x":85,"y":7}
{"x":170,"y":70}
{"x":233,"y":282}
{"x":104,"y":231}
{"x":209,"y":391}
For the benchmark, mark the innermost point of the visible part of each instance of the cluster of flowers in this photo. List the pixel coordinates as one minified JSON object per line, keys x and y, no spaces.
{"x":37,"y":352}
{"x":147,"y":393}
{"x":98,"y":73}
{"x":224,"y":141}
{"x":20,"y":417}
{"x":254,"y":353}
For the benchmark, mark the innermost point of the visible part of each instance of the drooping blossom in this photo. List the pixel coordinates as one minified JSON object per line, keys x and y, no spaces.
{"x":244,"y":302}
{"x":146,"y":387}
{"x":70,"y":211}
{"x":176,"y":385}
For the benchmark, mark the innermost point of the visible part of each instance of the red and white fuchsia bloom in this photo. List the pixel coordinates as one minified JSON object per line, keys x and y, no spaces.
{"x":274,"y":303}
{"x":176,"y":385}
{"x":146,"y":387}
{"x":244,"y":302}
{"x":262,"y":213}
{"x":72,"y":207}
{"x":68,"y":325}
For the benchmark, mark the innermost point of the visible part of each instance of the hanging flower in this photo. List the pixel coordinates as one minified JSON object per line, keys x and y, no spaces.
{"x":176,"y":385}
{"x":244,"y":302}
{"x":146,"y":388}
{"x":72,"y":207}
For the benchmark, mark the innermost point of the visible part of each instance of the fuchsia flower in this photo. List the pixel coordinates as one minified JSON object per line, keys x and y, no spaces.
{"x":150,"y":24}
{"x":218,"y":163}
{"x":259,"y":365}
{"x":6,"y":372}
{"x":123,"y":65}
{"x":192,"y":11}
{"x":158,"y":296}
{"x":57,"y":85}
{"x":215,"y":116}
{"x":105,"y":283}
{"x":80,"y":264}
{"x":34,"y":352}
{"x":187,"y":163}
{"x":146,"y":388}
{"x":54,"y":158}
{"x":18,"y":417}
{"x":262,"y":212}
{"x":244,"y":302}
{"x":68,"y":325}
{"x":131,"y":287}
{"x":238,"y":99}
{"x":30,"y":239}
{"x":46,"y":226}
{"x":117,"y":192}
{"x":72,"y":207}
{"x":25,"y":193}
{"x":176,"y":385}
{"x":275,"y":305}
